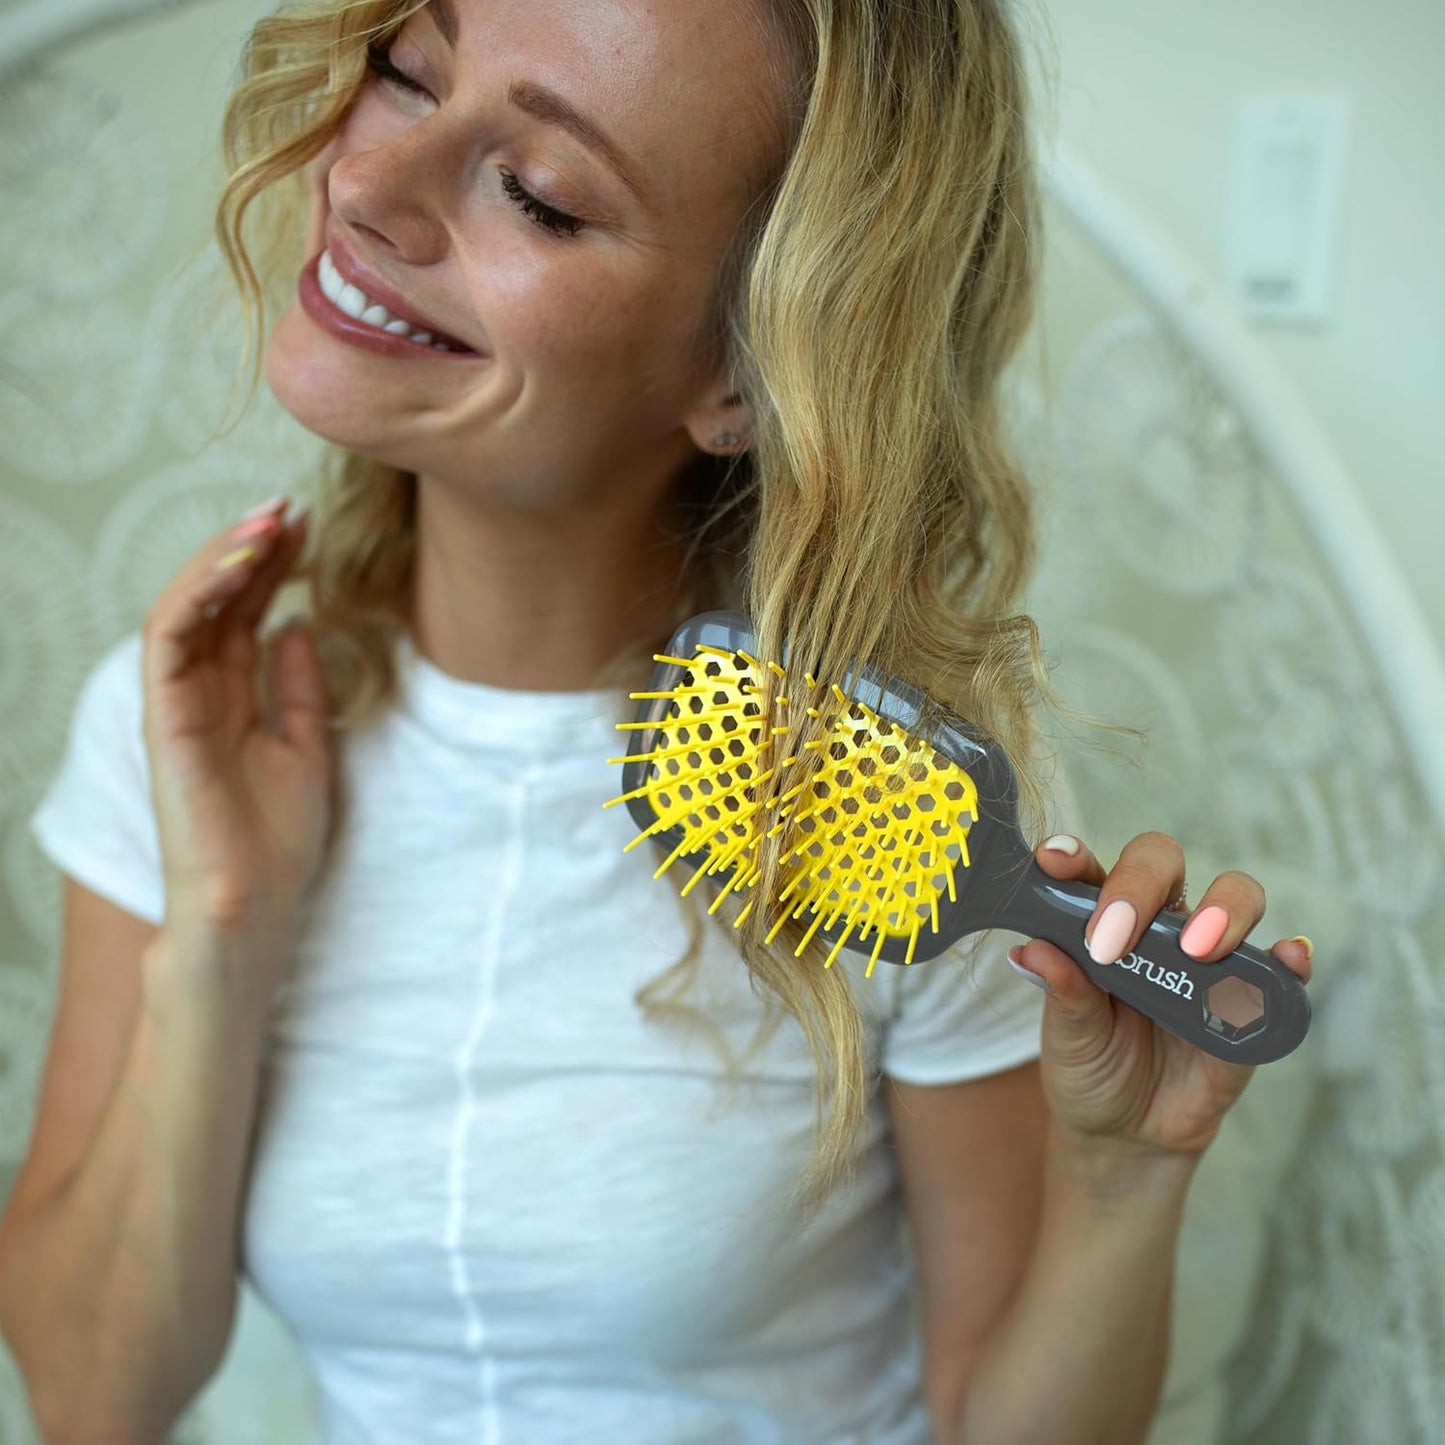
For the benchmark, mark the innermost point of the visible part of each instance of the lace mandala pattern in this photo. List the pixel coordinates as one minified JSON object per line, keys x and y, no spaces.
{"x":1271,"y":740}
{"x":1178,"y":591}
{"x":84,"y":184}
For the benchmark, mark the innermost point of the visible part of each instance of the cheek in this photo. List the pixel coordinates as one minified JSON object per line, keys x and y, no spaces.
{"x":601,"y":315}
{"x":565,"y":316}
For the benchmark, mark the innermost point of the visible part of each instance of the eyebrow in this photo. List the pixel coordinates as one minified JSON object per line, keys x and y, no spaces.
{"x":548,"y":107}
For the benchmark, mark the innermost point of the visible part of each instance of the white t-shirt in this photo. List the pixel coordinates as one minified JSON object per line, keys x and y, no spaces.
{"x":494,"y":1204}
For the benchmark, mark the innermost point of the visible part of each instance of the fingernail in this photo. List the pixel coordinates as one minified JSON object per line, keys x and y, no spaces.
{"x":256,"y":527}
{"x":1204,"y":931}
{"x":1113,"y":930}
{"x":1309,"y":947}
{"x":269,"y":505}
{"x":234,"y":559}
{"x":1023,"y":972}
{"x":1062,"y":843}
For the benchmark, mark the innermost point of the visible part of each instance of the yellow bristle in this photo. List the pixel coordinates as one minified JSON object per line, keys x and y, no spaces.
{"x":703,"y":867}
{"x":808,"y":936}
{"x":672,"y":858}
{"x":838,"y":946}
{"x":884,"y":816}
{"x":777,"y":927}
{"x":877,"y":949}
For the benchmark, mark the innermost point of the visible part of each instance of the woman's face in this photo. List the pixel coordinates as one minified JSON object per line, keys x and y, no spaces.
{"x":588,"y":347}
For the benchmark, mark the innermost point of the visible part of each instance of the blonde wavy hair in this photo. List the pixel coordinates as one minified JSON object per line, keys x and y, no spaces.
{"x":866,"y":310}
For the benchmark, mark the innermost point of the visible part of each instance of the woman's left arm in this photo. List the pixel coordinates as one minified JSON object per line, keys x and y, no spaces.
{"x":1065,"y":1340}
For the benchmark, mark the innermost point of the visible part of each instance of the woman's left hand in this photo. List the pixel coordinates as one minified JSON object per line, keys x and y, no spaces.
{"x":1110,"y":1074}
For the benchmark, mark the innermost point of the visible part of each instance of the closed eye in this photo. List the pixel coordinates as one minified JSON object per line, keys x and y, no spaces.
{"x":378,"y":62}
{"x":555,"y":221}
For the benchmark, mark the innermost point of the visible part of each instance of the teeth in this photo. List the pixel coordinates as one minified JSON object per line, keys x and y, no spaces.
{"x":351,"y":300}
{"x":356,"y":303}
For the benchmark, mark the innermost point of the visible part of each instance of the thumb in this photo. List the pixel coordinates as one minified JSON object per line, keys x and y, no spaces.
{"x":1077,"y":1011}
{"x":296,"y":686}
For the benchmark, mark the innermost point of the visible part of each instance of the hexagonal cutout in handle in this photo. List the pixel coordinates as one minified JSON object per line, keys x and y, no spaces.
{"x":1233,"y":1008}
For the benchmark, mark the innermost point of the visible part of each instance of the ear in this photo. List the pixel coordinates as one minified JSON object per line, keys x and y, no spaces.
{"x":722,"y":426}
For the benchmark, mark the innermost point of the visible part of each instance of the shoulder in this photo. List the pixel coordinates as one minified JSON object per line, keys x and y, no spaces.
{"x":94,"y":820}
{"x":116,"y":674}
{"x":108,"y":711}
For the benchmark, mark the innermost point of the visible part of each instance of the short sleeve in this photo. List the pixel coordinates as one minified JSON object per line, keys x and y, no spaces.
{"x":96,"y":820}
{"x":965,"y":1014}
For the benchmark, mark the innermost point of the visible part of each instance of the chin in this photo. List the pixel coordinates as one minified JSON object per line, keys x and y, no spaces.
{"x":315,"y":386}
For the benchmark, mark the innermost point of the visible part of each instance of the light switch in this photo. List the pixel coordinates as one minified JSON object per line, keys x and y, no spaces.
{"x":1286,"y":185}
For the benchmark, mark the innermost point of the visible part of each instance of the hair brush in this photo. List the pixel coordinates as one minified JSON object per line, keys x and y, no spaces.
{"x":900,"y":841}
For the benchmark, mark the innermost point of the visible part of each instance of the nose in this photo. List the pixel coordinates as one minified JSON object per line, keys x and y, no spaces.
{"x":391,"y":193}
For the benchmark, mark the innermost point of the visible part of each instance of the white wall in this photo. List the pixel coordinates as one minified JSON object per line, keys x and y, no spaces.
{"x":1146,"y":91}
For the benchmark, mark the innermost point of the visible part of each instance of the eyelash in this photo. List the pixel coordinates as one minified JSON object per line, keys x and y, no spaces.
{"x":378,"y":61}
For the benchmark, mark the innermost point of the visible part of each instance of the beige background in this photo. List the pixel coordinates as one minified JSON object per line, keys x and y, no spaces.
{"x":1179,"y":592}
{"x":1147,"y":92}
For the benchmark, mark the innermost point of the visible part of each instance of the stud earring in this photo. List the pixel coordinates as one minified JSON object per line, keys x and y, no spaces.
{"x":726,"y":439}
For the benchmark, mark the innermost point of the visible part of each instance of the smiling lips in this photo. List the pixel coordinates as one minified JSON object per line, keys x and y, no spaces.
{"x":351,"y":299}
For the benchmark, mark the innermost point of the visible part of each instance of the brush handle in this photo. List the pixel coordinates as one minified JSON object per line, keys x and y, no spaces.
{"x":1161,"y":981}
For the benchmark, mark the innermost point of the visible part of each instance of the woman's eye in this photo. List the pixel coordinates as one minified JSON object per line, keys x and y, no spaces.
{"x":378,"y":61}
{"x":558,"y":222}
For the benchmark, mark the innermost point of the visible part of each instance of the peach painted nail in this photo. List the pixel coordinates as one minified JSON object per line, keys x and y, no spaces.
{"x":1204,"y":931}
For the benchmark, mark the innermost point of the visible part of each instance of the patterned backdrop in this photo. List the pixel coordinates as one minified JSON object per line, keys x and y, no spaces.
{"x":1178,"y":592}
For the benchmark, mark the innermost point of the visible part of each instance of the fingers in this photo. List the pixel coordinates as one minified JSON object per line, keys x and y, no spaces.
{"x":180,"y":624}
{"x":1149,"y":872}
{"x":1065,"y":856}
{"x":1297,"y":955}
{"x":267,"y":570}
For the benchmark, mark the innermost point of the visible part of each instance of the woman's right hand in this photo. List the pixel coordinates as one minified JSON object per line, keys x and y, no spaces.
{"x":242,"y":811}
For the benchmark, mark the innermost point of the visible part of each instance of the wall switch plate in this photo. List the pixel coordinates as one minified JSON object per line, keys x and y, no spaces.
{"x":1284,"y":216}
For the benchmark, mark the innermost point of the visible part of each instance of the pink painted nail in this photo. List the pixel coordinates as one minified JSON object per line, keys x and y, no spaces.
{"x":1113,"y":930}
{"x":256,"y":527}
{"x":262,"y":508}
{"x":1204,"y":931}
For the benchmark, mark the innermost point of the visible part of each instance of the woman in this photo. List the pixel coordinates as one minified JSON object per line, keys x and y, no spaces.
{"x":612,"y":313}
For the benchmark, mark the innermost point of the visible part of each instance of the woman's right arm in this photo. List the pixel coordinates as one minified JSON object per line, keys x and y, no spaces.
{"x":119,"y":1286}
{"x":120,"y":1244}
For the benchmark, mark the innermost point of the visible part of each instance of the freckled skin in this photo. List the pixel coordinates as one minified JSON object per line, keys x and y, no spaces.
{"x":550,"y":460}
{"x":593,"y":370}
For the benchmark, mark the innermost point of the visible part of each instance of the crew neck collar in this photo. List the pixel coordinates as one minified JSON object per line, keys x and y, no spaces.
{"x":480,"y":713}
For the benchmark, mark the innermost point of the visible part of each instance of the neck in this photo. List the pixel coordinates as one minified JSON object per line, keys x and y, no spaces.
{"x":543,"y":600}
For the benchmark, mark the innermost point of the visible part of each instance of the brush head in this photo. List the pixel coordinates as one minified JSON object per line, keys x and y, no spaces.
{"x":896,"y":819}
